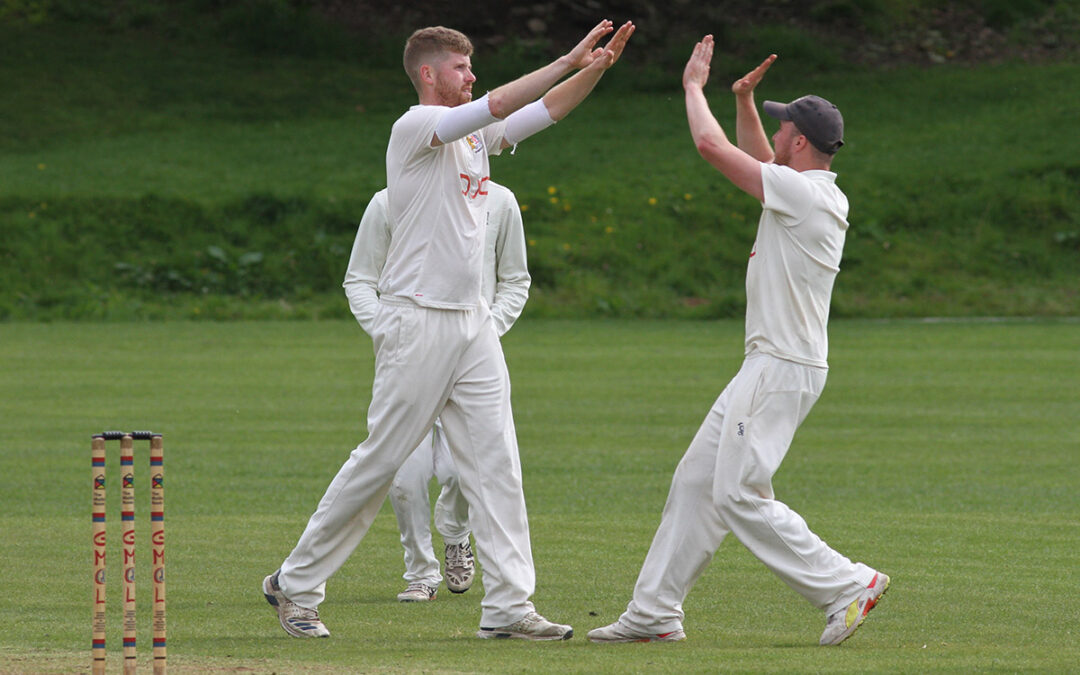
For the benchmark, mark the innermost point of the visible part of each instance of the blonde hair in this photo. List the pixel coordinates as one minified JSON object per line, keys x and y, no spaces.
{"x":427,"y":44}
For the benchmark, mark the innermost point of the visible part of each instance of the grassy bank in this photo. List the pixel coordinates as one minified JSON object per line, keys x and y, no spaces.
{"x":143,"y":177}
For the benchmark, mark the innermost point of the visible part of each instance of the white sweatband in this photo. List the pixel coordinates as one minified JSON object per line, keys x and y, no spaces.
{"x":526,"y":121}
{"x":462,"y":120}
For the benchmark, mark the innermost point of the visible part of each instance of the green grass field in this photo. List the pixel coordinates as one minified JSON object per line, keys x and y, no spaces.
{"x":945,"y":453}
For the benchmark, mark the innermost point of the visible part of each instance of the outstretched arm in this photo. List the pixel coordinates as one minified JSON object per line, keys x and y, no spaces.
{"x":565,"y":96}
{"x":749,"y":132}
{"x":514,"y":95}
{"x":711,"y":141}
{"x":522,"y":95}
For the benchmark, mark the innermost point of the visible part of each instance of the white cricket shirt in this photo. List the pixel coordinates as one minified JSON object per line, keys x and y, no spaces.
{"x":505,"y":281}
{"x":796,"y":257}
{"x":435,"y":205}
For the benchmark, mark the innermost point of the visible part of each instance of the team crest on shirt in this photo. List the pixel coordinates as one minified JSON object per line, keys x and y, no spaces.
{"x":475,"y":142}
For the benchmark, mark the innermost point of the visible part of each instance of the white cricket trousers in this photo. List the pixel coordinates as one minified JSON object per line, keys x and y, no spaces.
{"x":724,"y":484}
{"x":412,"y":506}
{"x":430,"y":363}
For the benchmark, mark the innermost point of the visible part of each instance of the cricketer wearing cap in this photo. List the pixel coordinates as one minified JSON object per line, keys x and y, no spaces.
{"x":724,"y":482}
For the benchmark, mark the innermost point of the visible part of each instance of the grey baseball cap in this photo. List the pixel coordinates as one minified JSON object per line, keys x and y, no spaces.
{"x":817,"y":119}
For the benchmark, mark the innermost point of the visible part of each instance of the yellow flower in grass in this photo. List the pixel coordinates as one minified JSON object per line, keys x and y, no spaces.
{"x":553,"y":200}
{"x":552,"y":190}
{"x":688,"y":196}
{"x":652,"y":201}
{"x":609,"y":229}
{"x":524,"y":207}
{"x":532,"y":242}
{"x":566,"y":247}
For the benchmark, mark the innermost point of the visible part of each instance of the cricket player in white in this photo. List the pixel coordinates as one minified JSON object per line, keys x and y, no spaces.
{"x":437,"y":352}
{"x":724,"y":482}
{"x":505,"y":287}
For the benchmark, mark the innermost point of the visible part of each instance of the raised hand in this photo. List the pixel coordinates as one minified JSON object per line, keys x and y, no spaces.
{"x":584,"y":53}
{"x":696,"y":72}
{"x":745,"y":85}
{"x":617,"y":43}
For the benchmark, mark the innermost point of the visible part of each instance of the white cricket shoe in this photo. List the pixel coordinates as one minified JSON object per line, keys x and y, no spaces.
{"x":842,"y":623}
{"x":619,"y":632}
{"x":417,"y":591}
{"x":459,"y":567}
{"x":532,"y":627}
{"x":296,"y":620}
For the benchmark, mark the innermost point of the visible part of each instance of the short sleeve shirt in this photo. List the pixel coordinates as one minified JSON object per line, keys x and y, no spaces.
{"x":793,"y":265}
{"x":436,"y":200}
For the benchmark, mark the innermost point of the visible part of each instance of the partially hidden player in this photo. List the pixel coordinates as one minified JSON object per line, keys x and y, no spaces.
{"x":723,"y":483}
{"x":505,"y":287}
{"x":437,"y":351}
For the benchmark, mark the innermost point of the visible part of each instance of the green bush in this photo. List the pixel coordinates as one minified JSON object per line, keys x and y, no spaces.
{"x":263,"y":248}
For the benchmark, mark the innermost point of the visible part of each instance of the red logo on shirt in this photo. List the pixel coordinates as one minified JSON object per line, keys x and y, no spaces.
{"x":468,"y":191}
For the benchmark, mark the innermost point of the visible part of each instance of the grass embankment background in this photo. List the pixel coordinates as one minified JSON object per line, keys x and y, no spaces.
{"x":149,"y":176}
{"x":944,"y":453}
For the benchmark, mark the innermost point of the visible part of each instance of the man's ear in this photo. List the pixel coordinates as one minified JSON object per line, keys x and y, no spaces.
{"x":427,"y":73}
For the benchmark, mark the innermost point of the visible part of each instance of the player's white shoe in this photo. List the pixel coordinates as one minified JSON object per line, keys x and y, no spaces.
{"x":842,"y":623}
{"x":532,"y":627}
{"x":619,"y":632}
{"x":296,"y":620}
{"x":417,"y":591}
{"x":459,"y":567}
